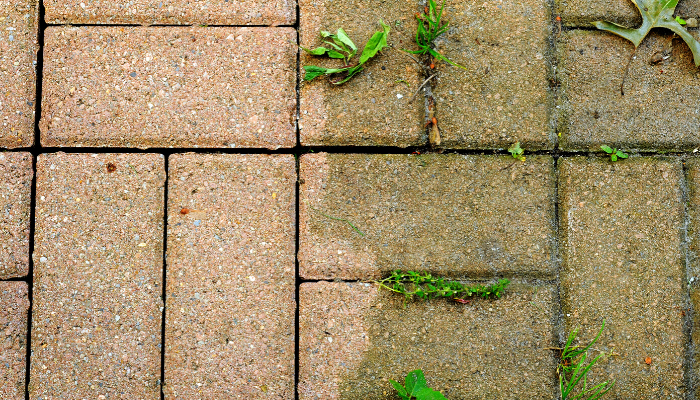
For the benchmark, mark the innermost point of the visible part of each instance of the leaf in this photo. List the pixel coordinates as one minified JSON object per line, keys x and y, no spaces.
{"x":606,"y":149}
{"x":680,"y":20}
{"x":399,"y":388}
{"x":335,"y":54}
{"x":376,"y":43}
{"x":415,"y":381}
{"x":655,"y":14}
{"x":613,"y":157}
{"x":429,"y":394}
{"x":622,"y":155}
{"x":313,"y":72}
{"x":343,"y":37}
{"x":318,"y":51}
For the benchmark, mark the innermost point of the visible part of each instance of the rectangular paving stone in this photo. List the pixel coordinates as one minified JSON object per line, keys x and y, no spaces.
{"x":19,"y":43}
{"x":169,"y":87}
{"x":230,"y":319}
{"x":374,"y":108}
{"x":14,"y":304}
{"x":621,"y":230}
{"x":98,"y":260}
{"x":503,"y":96}
{"x":353,"y":339}
{"x":692,"y":167}
{"x":16,"y":175}
{"x":584,"y":12}
{"x":363,"y":215}
{"x":660,"y":108}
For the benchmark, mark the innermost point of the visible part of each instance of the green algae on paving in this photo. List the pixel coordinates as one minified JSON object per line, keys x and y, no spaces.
{"x":14,"y":304}
{"x":582,"y":13}
{"x":15,"y":201}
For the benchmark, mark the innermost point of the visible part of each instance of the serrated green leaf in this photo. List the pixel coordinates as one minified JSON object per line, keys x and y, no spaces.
{"x":606,"y":149}
{"x":415,"y":381}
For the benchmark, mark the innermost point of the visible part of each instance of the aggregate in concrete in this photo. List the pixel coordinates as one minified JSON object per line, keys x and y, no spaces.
{"x":98,"y":259}
{"x":230,"y":315}
{"x":169,"y":87}
{"x":583,"y":12}
{"x":14,"y":304}
{"x":15,"y":201}
{"x":353,"y":339}
{"x":693,"y":266}
{"x":477,"y":216}
{"x":622,"y":263}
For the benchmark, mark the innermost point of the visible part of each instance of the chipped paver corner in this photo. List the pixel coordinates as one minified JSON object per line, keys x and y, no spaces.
{"x":16,"y":175}
{"x":14,"y":305}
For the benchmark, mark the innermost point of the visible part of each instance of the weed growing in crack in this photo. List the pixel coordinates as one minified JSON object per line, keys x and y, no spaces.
{"x":573,"y":371}
{"x":517,"y":152}
{"x":430,"y":27}
{"x":416,"y":388}
{"x":424,"y":286}
{"x":614,"y":153}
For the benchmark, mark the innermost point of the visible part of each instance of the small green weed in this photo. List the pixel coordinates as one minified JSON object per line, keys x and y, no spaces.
{"x":416,"y":388}
{"x":425,"y":286}
{"x":574,"y":370}
{"x":614,"y":153}
{"x":680,"y":20}
{"x":430,"y":27}
{"x":517,"y":152}
{"x":350,"y":224}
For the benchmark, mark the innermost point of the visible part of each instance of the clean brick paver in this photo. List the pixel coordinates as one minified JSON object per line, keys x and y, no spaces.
{"x":13,"y":339}
{"x":98,"y":257}
{"x":583,"y":12}
{"x":230,"y":292}
{"x":15,"y":201}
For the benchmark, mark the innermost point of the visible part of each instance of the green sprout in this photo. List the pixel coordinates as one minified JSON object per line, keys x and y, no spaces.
{"x":614,"y":153}
{"x":424,"y":286}
{"x":517,"y":152}
{"x":574,"y":370}
{"x":416,"y":388}
{"x":430,"y":27}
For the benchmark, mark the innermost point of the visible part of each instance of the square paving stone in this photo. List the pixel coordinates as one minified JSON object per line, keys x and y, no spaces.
{"x":169,"y":87}
{"x":504,"y":94}
{"x":98,"y":260}
{"x":231,"y":305}
{"x":622,"y":264}
{"x":374,"y":108}
{"x":14,"y":304}
{"x":353,"y":339}
{"x":15,"y":202}
{"x":660,"y":108}
{"x":363,"y":215}
{"x":19,"y":43}
{"x":584,"y":12}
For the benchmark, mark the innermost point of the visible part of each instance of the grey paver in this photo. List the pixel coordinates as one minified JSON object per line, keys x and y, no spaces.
{"x":583,"y":12}
{"x":660,"y":108}
{"x":374,"y":108}
{"x":15,"y":201}
{"x":179,"y":87}
{"x":622,"y":263}
{"x":14,"y":304}
{"x":18,"y":46}
{"x":353,"y":339}
{"x":231,"y":274}
{"x":96,"y":322}
{"x":453,"y":214}
{"x":503,"y":96}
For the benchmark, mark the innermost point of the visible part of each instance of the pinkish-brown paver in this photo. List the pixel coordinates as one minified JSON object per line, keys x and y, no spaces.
{"x":693,"y":262}
{"x":98,"y":258}
{"x":14,"y":304}
{"x":169,"y":87}
{"x":15,"y":201}
{"x":19,"y":44}
{"x":172,"y":12}
{"x":230,"y":284}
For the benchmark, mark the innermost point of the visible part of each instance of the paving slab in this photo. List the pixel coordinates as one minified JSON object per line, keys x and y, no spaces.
{"x":476,"y":216}
{"x":98,"y":259}
{"x":14,"y":305}
{"x":503,"y":96}
{"x":692,"y":167}
{"x":621,"y":230}
{"x":374,"y":108}
{"x":173,"y":12}
{"x":353,"y":339}
{"x":660,"y":108}
{"x":19,"y":43}
{"x":230,"y":319}
{"x":584,"y":12}
{"x":16,"y":175}
{"x":169,"y":87}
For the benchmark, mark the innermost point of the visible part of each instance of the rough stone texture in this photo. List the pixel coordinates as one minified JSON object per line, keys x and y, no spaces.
{"x":179,"y":87}
{"x":583,"y":12}
{"x":15,"y":201}
{"x":503,"y":96}
{"x":14,"y":305}
{"x":96,"y":322}
{"x":374,"y":108}
{"x":230,"y":285}
{"x":693,"y":266}
{"x":147,"y":12}
{"x":352,"y":340}
{"x":18,"y":46}
{"x":622,"y":263}
{"x":457,"y":215}
{"x":661,"y":105}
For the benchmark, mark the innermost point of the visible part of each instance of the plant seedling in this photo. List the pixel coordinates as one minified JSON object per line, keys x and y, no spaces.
{"x":574,"y":370}
{"x":517,"y":152}
{"x":425,"y":286}
{"x":614,"y":153}
{"x":416,"y":388}
{"x":430,"y":27}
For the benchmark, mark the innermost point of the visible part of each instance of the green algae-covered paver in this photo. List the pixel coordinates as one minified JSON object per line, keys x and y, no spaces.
{"x":14,"y":304}
{"x":353,"y":339}
{"x":231,"y":275}
{"x":622,"y":264}
{"x":169,"y":87}
{"x":504,"y":94}
{"x":98,"y":259}
{"x":459,"y":215}
{"x":15,"y":201}
{"x":583,"y":12}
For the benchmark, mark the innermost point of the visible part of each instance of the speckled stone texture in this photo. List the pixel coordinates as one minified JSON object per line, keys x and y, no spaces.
{"x":622,"y":263}
{"x":583,"y":12}
{"x":661,"y":105}
{"x":172,"y":12}
{"x":449,"y":214}
{"x":503,"y":96}
{"x":374,"y":108}
{"x":352,"y":340}
{"x":14,"y":305}
{"x":230,"y":286}
{"x":169,"y":87}
{"x":96,"y":322}
{"x":15,"y":201}
{"x":18,"y":46}
{"x":693,"y":266}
